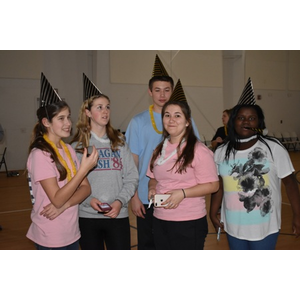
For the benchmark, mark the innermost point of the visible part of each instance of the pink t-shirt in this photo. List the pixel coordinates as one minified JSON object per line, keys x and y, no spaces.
{"x":64,"y":230}
{"x":202,"y":170}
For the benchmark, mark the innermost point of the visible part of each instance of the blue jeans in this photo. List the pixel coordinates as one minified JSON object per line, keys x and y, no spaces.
{"x":268,"y":243}
{"x":74,"y":246}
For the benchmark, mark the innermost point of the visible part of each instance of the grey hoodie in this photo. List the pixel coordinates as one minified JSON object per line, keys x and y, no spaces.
{"x":115,"y":177}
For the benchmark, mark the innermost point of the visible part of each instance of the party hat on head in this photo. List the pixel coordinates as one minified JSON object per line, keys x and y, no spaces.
{"x":178,"y":93}
{"x":247,"y":97}
{"x":159,"y":69}
{"x":48,"y":94}
{"x":89,"y":88}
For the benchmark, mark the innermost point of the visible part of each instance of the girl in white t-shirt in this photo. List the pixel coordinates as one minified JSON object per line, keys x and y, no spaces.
{"x":251,"y":168}
{"x":182,"y":167}
{"x":58,"y":183}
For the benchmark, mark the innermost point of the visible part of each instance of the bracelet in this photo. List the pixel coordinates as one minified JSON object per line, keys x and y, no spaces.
{"x":184,"y":196}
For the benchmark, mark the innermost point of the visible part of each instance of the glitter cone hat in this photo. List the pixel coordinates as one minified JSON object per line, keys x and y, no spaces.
{"x":48,"y":95}
{"x":178,"y":93}
{"x":247,"y":97}
{"x":159,"y":69}
{"x":89,"y":88}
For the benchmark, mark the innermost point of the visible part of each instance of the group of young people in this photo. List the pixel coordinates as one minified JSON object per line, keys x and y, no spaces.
{"x":81,"y":192}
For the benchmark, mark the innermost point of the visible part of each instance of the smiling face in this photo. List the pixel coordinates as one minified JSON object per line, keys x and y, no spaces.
{"x":175,"y":122}
{"x":60,"y":125}
{"x":246,"y":118}
{"x":99,"y":113}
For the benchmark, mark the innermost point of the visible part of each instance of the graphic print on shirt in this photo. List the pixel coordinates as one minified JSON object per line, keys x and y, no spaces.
{"x":109,"y":160}
{"x":253,"y":189}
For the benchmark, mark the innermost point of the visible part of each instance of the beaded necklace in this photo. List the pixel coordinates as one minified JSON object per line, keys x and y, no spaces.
{"x":162,"y":158}
{"x":63,"y":162}
{"x":152,"y":119}
{"x":225,"y":129}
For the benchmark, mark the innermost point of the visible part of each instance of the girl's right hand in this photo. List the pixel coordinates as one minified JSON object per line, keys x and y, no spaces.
{"x":151,"y":194}
{"x":89,"y":162}
{"x":216,"y":222}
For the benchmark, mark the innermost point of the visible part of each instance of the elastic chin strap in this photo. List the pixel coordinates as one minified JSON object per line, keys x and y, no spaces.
{"x":248,"y":139}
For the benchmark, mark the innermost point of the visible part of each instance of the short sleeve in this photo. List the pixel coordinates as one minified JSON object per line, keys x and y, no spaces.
{"x":41,"y":165}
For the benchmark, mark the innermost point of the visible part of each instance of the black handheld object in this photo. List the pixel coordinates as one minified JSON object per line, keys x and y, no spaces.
{"x":89,"y":150}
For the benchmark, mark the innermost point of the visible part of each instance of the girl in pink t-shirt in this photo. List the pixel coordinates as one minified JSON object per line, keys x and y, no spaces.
{"x":58,"y":183}
{"x":182,"y":167}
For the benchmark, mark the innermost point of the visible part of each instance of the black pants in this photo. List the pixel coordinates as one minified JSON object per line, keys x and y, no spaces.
{"x":113,"y":233}
{"x":145,"y":230}
{"x":180,"y":235}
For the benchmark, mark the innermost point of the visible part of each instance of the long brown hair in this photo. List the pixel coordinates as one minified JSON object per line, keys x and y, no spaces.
{"x":37,"y":140}
{"x":186,"y":155}
{"x":83,"y":134}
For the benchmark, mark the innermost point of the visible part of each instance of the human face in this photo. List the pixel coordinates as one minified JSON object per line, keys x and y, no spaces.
{"x":160,"y":93}
{"x":60,"y":126}
{"x":225,"y":118}
{"x":246,"y":117}
{"x":174,"y":122}
{"x":99,"y":113}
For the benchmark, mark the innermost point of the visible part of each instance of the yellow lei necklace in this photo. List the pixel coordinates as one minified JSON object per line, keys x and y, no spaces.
{"x":63,"y":162}
{"x":225,"y":129}
{"x":152,"y":119}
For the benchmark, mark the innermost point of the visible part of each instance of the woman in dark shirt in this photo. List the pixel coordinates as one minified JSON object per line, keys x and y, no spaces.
{"x":221,"y":133}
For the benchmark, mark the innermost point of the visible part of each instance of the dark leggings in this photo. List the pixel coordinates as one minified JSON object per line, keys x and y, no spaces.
{"x":96,"y":234}
{"x":145,"y":230}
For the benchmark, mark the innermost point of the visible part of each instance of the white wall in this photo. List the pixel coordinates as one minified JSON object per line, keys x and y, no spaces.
{"x":212,"y":81}
{"x":20,"y":88}
{"x":200,"y":73}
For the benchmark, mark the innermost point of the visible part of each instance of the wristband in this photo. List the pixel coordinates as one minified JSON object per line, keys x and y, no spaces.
{"x":184,"y":196}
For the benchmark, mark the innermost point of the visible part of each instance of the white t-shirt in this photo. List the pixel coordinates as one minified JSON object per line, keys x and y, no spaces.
{"x":251,"y":206}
